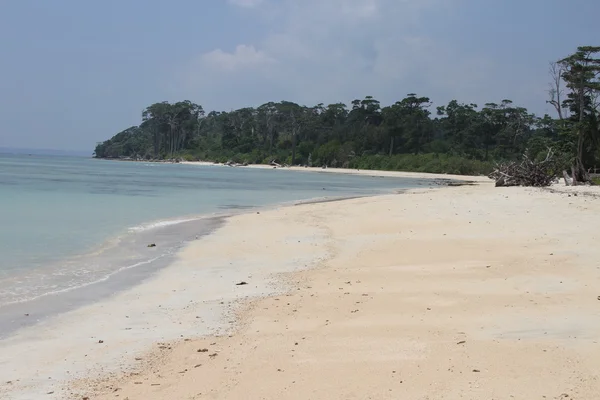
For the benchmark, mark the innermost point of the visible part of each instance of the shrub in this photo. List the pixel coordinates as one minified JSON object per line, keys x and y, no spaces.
{"x":430,"y":162}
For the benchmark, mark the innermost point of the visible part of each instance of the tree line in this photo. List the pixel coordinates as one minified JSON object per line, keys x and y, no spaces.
{"x":408,"y":135}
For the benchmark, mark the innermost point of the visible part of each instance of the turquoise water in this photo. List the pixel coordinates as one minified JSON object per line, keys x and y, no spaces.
{"x":67,"y":222}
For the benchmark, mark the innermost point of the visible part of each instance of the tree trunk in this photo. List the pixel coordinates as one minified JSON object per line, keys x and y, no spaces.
{"x":156,"y":143}
{"x":579,"y":171}
{"x":391,"y":146}
{"x":294,"y":149}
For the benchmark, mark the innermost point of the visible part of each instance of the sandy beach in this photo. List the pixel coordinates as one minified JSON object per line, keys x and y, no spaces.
{"x":469,"y":292}
{"x":363,"y":172}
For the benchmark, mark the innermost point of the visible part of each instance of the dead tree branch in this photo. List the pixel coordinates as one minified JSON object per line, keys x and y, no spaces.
{"x":527,"y":172}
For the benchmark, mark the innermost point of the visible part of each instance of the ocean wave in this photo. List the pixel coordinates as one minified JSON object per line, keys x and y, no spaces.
{"x":33,"y":292}
{"x":159,"y":224}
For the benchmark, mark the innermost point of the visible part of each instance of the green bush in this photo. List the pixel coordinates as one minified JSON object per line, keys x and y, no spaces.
{"x":430,"y":162}
{"x":189,"y":157}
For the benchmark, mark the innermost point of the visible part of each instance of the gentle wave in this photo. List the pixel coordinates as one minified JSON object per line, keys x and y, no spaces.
{"x":72,"y":222}
{"x":160,"y":224}
{"x":104,"y":278}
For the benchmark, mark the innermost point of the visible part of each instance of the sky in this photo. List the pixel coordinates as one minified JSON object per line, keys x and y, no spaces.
{"x":74,"y":72}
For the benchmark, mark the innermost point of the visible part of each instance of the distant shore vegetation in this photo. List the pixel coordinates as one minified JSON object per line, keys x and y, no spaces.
{"x":409,"y":135}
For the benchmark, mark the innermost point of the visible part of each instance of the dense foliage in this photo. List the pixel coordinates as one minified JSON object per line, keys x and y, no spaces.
{"x":407,"y":135}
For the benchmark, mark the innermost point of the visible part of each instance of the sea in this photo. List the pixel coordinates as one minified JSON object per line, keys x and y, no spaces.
{"x":75,"y":229}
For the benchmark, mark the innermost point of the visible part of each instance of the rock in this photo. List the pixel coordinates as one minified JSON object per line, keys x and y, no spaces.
{"x":152,"y":245}
{"x":461,"y":342}
{"x":202,"y":350}
{"x":241,"y":283}
{"x":476,"y":370}
{"x":100,"y":341}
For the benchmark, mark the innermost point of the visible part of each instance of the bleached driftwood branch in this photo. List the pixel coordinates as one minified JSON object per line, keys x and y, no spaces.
{"x":526,"y":172}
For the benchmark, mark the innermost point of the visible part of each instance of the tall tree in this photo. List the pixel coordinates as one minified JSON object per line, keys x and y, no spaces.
{"x":409,"y":119}
{"x":581,"y":72}
{"x":556,"y":90}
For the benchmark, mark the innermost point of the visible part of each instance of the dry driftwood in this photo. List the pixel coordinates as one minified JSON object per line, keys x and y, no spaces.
{"x":526,"y":172}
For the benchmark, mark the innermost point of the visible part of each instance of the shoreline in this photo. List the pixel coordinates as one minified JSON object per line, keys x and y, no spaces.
{"x":216,"y":318}
{"x":54,"y":312}
{"x":28,"y":313}
{"x":348,"y":171}
{"x":307,"y":266}
{"x":25,"y":312}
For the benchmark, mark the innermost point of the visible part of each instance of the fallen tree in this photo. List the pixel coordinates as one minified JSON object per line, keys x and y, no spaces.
{"x":527,"y":172}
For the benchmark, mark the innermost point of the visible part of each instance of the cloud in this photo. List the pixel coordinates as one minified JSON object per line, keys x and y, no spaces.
{"x":337,"y":50}
{"x":242,"y":58}
{"x":246,"y":3}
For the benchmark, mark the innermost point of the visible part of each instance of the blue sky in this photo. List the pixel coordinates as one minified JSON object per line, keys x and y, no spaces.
{"x":76,"y":72}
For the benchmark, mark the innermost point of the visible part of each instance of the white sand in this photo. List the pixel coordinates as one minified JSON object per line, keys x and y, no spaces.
{"x":365,"y":172}
{"x":462,"y":292}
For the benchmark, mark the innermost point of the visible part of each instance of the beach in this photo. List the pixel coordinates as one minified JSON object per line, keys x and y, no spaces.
{"x":433,"y":293}
{"x":347,"y":171}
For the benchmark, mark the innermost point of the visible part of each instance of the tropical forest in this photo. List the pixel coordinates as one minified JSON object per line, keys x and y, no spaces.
{"x":409,"y":135}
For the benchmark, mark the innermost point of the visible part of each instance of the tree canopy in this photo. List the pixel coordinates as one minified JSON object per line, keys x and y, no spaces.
{"x":458,"y":137}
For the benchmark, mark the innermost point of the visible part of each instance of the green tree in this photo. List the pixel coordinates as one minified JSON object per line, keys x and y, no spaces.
{"x":460,"y":138}
{"x":581,"y":72}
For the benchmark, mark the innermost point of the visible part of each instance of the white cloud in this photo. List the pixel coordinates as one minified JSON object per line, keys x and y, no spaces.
{"x":246,"y":3}
{"x":241,"y":59}
{"x":338,"y":50}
